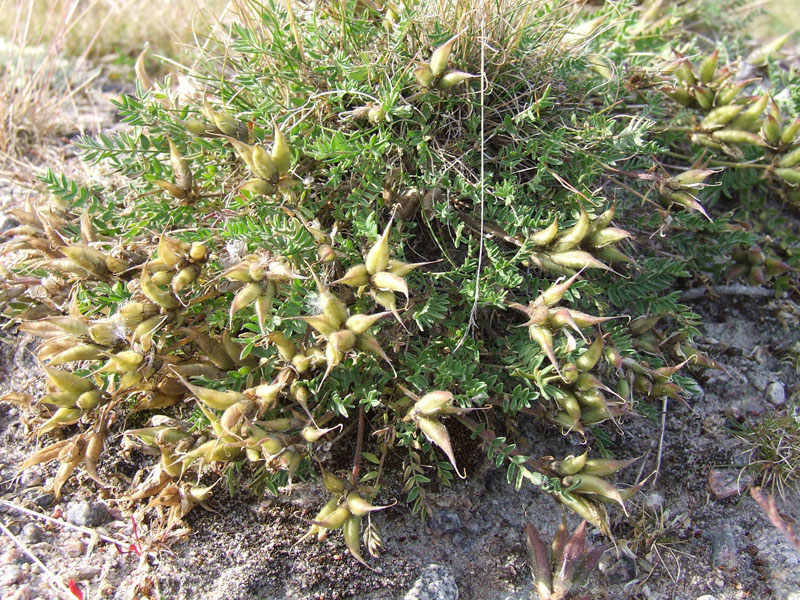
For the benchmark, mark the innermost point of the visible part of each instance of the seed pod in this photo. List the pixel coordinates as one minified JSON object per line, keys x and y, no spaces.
{"x":264,"y":166}
{"x":335,"y":518}
{"x":387,"y":300}
{"x":681,"y":95}
{"x":577,"y":259}
{"x":544,"y":237}
{"x":720,"y":116}
{"x":441,"y":56}
{"x":62,"y":417}
{"x":708,"y":67}
{"x":94,"y":449}
{"x":88,"y":258}
{"x":230,"y":126}
{"x":281,"y":155}
{"x":134,"y":313}
{"x":76,"y":353}
{"x":591,"y":355}
{"x":358,"y":324}
{"x":70,"y":457}
{"x":215,"y":399}
{"x":569,"y":373}
{"x":591,"y":511}
{"x":606,"y":237}
{"x":360,"y":507}
{"x":383,"y":280}
{"x":790,"y":176}
{"x":376,"y":115}
{"x":553,"y":294}
{"x":688,"y":201}
{"x":691,"y":177}
{"x":569,"y":403}
{"x":243,"y":298}
{"x":352,"y":532}
{"x":704,"y":97}
{"x":356,"y":276}
{"x":452,"y":79}
{"x":323,"y":514}
{"x":238,"y":415}
{"x":790,"y":132}
{"x":684,"y":73}
{"x":162,"y":277}
{"x":571,"y":464}
{"x":378,"y":256}
{"x":89,"y":400}
{"x":257,"y":186}
{"x":68,"y":382}
{"x":194,"y":126}
{"x":749,"y":117}
{"x":774,"y":266}
{"x":172,"y":189}
{"x":574,"y":235}
{"x":601,"y":467}
{"x":143,"y":334}
{"x":184,"y":277}
{"x":286,"y":347}
{"x":771,"y":130}
{"x":332,"y":307}
{"x":65,"y":399}
{"x":432,"y":403}
{"x":613,"y":357}
{"x":543,"y":337}
{"x":437,"y":434}
{"x":790,"y":159}
{"x":366,"y":342}
{"x":424,"y":75}
{"x":401,"y":268}
{"x":735,"y":136}
{"x":116,"y":265}
{"x":155,"y":294}
{"x":180,"y":167}
{"x":761,"y":55}
{"x":594,"y":485}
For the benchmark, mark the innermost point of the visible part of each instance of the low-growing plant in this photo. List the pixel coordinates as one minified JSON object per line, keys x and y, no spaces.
{"x":375,"y":223}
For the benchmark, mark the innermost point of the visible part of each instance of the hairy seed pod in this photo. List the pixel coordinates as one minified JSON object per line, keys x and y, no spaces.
{"x":749,"y":117}
{"x":424,"y":75}
{"x":691,"y":177}
{"x":143,"y":334}
{"x":76,"y":353}
{"x":569,"y":373}
{"x":172,"y":189}
{"x":64,"y":399}
{"x":436,"y":433}
{"x":243,"y":298}
{"x":67,"y":382}
{"x":230,"y":126}
{"x":553,"y":294}
{"x":184,"y":277}
{"x":335,"y":519}
{"x":267,"y":396}
{"x":790,"y":176}
{"x":735,"y":136}
{"x":790,"y":159}
{"x":194,"y":126}
{"x":606,"y":237}
{"x":62,"y":417}
{"x":602,"y":467}
{"x":574,"y":235}
{"x":577,"y":259}
{"x":720,"y":116}
{"x":761,"y":55}
{"x":356,"y":276}
{"x":180,"y":167}
{"x":708,"y":67}
{"x":237,"y":415}
{"x":433,"y":403}
{"x":155,"y":294}
{"x":594,"y":485}
{"x":321,"y":323}
{"x":383,"y":280}
{"x":681,"y":95}
{"x":263,"y":165}
{"x":89,"y":400}
{"x":544,"y":337}
{"x":378,"y":256}
{"x":544,"y":237}
{"x":452,"y":78}
{"x":94,"y":448}
{"x":440,"y":57}
{"x":351,"y":530}
{"x":215,"y":399}
{"x":366,"y":342}
{"x":771,"y":130}
{"x":688,"y":201}
{"x":258,"y":186}
{"x":281,"y":155}
{"x":90,"y":259}
{"x":323,"y":514}
{"x":198,"y":252}
{"x":571,"y":464}
{"x":171,"y":251}
{"x":162,"y":277}
{"x":360,"y":507}
{"x":286,"y":348}
{"x":790,"y":132}
{"x":591,"y":355}
{"x":727,"y":93}
{"x":683,"y":72}
{"x":704,"y":97}
{"x":70,"y":457}
{"x":332,"y":307}
{"x":358,"y":324}
{"x":569,"y":403}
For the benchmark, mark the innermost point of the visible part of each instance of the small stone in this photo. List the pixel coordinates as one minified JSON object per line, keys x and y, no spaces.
{"x":10,"y":575}
{"x":435,"y":583}
{"x":724,"y":549}
{"x":444,"y":522}
{"x":31,"y":479}
{"x":23,"y":593}
{"x":776,"y":393}
{"x":75,"y":547}
{"x":725,"y":484}
{"x":707,"y":597}
{"x":87,"y":573}
{"x":88,"y":514}
{"x":44,"y":500}
{"x":31,"y":534}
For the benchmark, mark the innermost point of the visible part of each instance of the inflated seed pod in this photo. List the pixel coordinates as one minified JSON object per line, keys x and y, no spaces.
{"x":281,"y":155}
{"x":263,"y":165}
{"x":76,"y":353}
{"x":356,"y":276}
{"x":545,"y":237}
{"x":70,"y":457}
{"x":592,"y":484}
{"x":89,"y":400}
{"x":433,"y":403}
{"x":737,"y":136}
{"x":591,"y":355}
{"x":602,"y":467}
{"x":708,"y":67}
{"x":790,"y":176}
{"x":721,"y":115}
{"x":761,"y":55}
{"x":359,"y":323}
{"x":571,"y":464}
{"x":452,"y":78}
{"x":771,"y":130}
{"x":65,"y":399}
{"x":378,"y":256}
{"x":437,"y":434}
{"x":184,"y":277}
{"x":544,"y":337}
{"x":244,"y":297}
{"x":569,"y":403}
{"x":790,"y":159}
{"x":569,"y":373}
{"x":327,"y":509}
{"x":351,"y":530}
{"x":727,"y":93}
{"x":173,"y":190}
{"x":424,"y":75}
{"x":360,"y":507}
{"x":90,"y":259}
{"x":321,"y":323}
{"x":67,"y":382}
{"x":180,"y":167}
{"x":574,"y":235}
{"x":62,"y":417}
{"x":749,"y":117}
{"x":553,"y":294}
{"x":606,"y":237}
{"x":383,"y":280}
{"x":94,"y":448}
{"x":155,"y":294}
{"x":790,"y":132}
{"x":440,"y":57}
{"x":214,"y":398}
{"x":335,"y":519}
{"x":577,"y":259}
{"x":367,"y":342}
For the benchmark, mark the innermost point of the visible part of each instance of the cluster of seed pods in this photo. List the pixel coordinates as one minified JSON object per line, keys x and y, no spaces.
{"x":584,"y":245}
{"x":434,"y":73}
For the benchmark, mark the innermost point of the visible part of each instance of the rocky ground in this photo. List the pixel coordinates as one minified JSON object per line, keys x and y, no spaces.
{"x":694,"y":532}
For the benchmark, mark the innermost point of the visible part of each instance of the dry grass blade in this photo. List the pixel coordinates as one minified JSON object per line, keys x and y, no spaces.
{"x":767,"y":504}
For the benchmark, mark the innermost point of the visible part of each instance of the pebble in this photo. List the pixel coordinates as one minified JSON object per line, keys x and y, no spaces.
{"x":444,"y":522}
{"x":75,"y":547}
{"x":23,"y":593}
{"x":31,"y":534}
{"x":707,"y":597}
{"x":10,"y":575}
{"x":725,"y":484}
{"x":31,"y":479}
{"x":44,"y":500}
{"x":87,"y":573}
{"x":434,"y":583}
{"x":776,"y":393}
{"x":88,"y":514}
{"x":723,"y":545}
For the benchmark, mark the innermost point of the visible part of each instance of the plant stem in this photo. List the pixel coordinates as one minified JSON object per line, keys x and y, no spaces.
{"x":359,"y":443}
{"x":718,"y":163}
